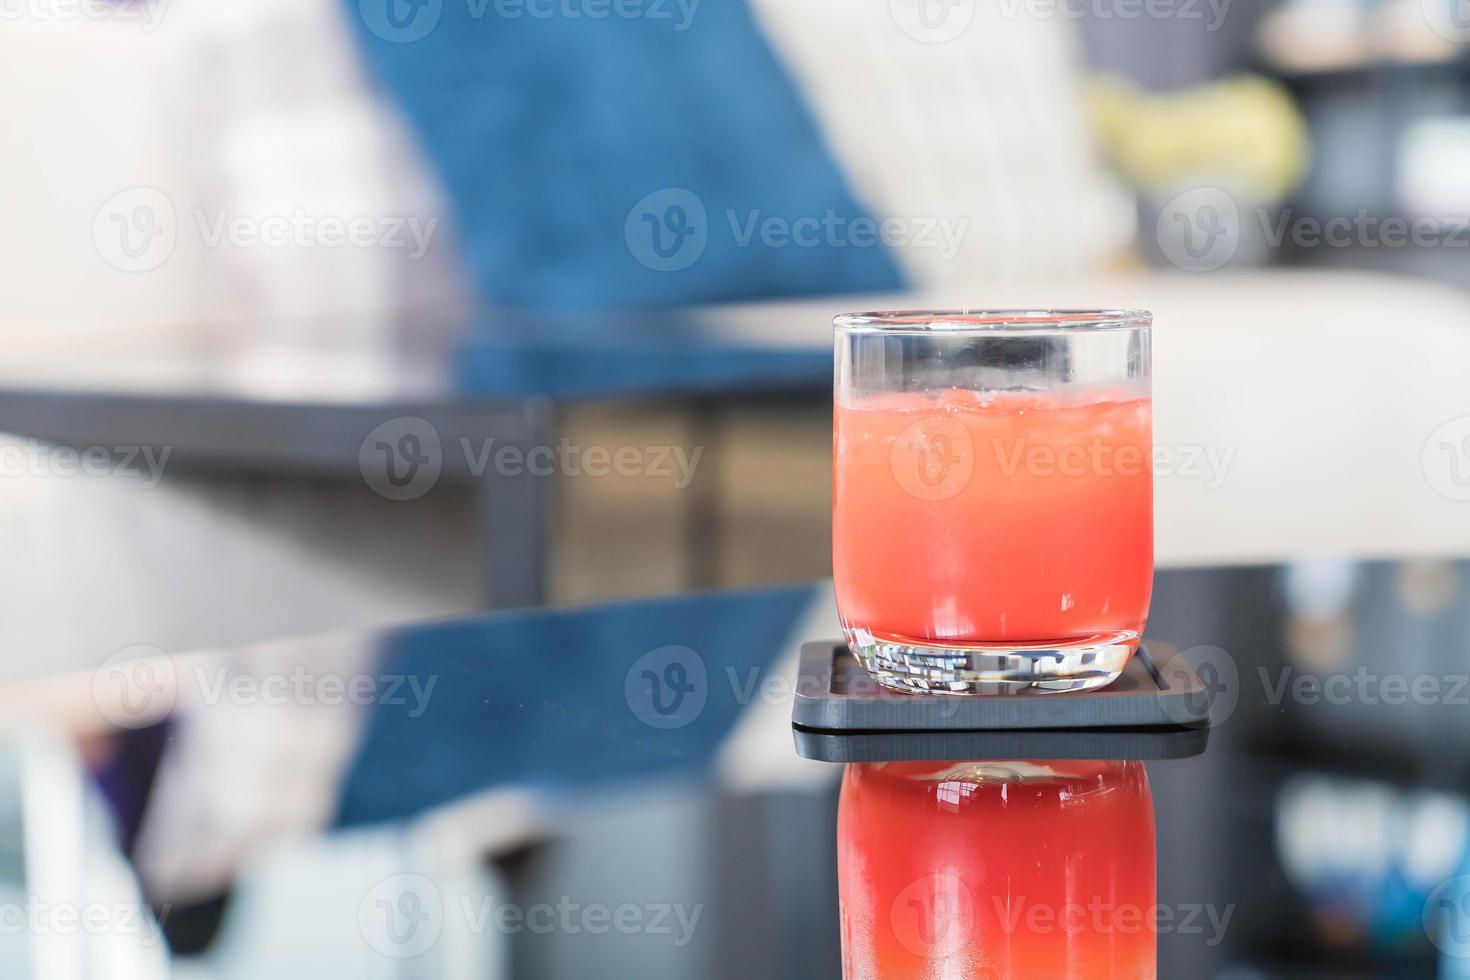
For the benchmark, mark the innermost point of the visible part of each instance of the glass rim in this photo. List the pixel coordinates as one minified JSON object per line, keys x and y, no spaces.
{"x":996,"y":320}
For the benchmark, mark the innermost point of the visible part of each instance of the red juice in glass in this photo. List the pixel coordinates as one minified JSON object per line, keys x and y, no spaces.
{"x":997,"y":527}
{"x":1002,"y":871}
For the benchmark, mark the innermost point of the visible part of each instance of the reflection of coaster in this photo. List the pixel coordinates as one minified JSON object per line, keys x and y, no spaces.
{"x":1145,"y":744}
{"x":835,"y":694}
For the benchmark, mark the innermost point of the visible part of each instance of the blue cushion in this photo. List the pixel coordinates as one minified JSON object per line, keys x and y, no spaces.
{"x":601,"y":163}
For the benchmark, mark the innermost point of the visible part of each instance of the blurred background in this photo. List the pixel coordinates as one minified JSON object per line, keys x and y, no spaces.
{"x":336,"y":315}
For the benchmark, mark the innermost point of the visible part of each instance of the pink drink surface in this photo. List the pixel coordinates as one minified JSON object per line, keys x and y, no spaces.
{"x":997,"y":517}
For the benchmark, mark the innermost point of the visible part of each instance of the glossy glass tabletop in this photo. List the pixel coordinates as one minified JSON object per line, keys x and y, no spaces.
{"x":614,"y":791}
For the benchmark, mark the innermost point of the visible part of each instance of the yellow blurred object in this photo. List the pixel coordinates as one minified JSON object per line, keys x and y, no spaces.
{"x":1244,"y":130}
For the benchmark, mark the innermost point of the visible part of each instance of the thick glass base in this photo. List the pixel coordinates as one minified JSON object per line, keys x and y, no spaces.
{"x":938,"y":667}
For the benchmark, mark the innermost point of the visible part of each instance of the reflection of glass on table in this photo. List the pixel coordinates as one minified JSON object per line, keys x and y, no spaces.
{"x":1003,"y":870}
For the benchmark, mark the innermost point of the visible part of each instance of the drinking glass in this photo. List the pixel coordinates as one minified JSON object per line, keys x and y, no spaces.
{"x":992,"y":505}
{"x":1007,"y":870}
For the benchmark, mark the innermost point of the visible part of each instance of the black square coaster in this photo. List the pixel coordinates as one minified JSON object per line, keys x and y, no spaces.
{"x":835,"y":694}
{"x":1121,"y":744}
